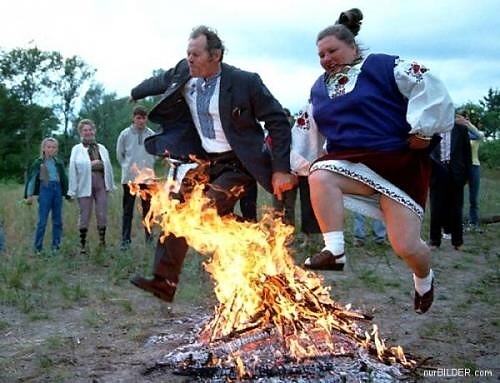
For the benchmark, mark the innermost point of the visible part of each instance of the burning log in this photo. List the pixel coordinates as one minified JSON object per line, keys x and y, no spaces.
{"x":260,"y":354}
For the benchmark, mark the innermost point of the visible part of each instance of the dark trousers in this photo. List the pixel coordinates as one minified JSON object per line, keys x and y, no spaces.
{"x":474,"y":182}
{"x":248,"y":203}
{"x":308,"y":222}
{"x":447,"y":199}
{"x":223,"y":175}
{"x":128,"y":212}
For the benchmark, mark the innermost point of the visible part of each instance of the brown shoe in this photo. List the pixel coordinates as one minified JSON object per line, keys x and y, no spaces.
{"x":424,"y":302}
{"x":159,"y":287}
{"x":324,"y":260}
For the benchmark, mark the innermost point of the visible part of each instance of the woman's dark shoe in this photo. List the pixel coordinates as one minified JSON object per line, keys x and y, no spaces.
{"x":159,"y":287}
{"x":102,"y":236}
{"x":83,"y":241}
{"x":424,"y":302}
{"x":324,"y":260}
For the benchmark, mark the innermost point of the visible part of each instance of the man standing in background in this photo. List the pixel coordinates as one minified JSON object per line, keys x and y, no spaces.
{"x":133,"y":158}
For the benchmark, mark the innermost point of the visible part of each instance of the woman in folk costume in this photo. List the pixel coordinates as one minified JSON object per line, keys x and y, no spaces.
{"x":377,"y":113}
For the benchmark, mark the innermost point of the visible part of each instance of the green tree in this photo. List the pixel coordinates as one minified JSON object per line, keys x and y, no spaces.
{"x":74,"y":73}
{"x":491,"y":115}
{"x":16,"y":120}
{"x":29,"y":74}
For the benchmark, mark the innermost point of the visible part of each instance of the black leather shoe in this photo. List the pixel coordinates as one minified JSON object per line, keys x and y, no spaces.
{"x":424,"y":302}
{"x":324,"y":260}
{"x":159,"y":287}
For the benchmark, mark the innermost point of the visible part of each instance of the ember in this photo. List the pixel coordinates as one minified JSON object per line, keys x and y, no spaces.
{"x":269,"y":309}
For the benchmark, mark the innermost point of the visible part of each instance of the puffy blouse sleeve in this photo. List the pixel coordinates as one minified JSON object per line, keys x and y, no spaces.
{"x":430,"y":108}
{"x":307,"y":142}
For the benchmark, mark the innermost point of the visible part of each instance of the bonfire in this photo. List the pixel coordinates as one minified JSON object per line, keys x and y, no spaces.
{"x":261,"y":292}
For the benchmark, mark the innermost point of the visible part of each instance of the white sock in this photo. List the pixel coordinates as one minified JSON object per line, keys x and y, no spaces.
{"x":334,"y":242}
{"x":423,"y":285}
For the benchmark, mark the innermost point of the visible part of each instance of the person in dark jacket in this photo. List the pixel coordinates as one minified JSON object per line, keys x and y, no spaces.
{"x":212,"y":110}
{"x":452,"y":161}
{"x":47,"y":179}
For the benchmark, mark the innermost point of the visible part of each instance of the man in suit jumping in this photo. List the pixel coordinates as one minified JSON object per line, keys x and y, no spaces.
{"x":213,"y":110}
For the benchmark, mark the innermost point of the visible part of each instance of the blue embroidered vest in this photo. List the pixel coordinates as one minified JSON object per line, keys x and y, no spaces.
{"x":372,"y":116}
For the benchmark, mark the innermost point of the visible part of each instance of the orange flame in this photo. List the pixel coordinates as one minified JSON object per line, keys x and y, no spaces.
{"x":257,"y":284}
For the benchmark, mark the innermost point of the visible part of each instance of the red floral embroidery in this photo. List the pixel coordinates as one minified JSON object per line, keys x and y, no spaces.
{"x":303,"y":121}
{"x":416,"y":70}
{"x":343,"y":80}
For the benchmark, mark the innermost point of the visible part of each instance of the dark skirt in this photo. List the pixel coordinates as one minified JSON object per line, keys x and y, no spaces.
{"x":400,"y":175}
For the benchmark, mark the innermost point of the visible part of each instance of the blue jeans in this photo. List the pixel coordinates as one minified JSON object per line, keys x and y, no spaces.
{"x":50,"y":198}
{"x":378,"y":228}
{"x":474,"y":179}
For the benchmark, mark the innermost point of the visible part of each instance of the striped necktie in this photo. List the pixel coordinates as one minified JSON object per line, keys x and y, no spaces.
{"x":204,"y":92}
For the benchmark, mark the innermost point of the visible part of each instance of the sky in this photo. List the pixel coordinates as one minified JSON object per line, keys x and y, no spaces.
{"x":125,"y":40}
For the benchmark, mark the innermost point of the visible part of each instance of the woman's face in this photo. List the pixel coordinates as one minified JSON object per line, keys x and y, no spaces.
{"x":50,"y":149}
{"x":334,"y":53}
{"x":87,"y":132}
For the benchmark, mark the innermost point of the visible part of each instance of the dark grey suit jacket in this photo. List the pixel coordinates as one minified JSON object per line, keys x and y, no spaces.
{"x":460,"y":156}
{"x":243,"y":101}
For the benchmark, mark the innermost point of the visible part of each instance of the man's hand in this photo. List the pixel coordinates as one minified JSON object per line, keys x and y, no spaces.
{"x":282,"y":182}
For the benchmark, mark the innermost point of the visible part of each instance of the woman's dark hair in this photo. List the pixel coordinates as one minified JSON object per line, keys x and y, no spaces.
{"x":346,"y":27}
{"x":214,"y":42}
{"x":351,"y":19}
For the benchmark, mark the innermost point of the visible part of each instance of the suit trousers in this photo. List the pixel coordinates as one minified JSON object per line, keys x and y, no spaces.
{"x":223,"y":175}
{"x":447,"y":199}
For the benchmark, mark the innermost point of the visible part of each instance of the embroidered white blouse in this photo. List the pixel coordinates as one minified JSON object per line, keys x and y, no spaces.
{"x":430,"y":108}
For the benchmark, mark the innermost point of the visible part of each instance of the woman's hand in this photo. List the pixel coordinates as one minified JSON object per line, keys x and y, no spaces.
{"x":418,"y":142}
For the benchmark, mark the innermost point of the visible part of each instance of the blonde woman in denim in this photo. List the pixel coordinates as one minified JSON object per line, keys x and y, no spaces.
{"x":47,"y":180}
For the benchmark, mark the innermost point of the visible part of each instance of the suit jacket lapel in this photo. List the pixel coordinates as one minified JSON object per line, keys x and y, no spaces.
{"x":225,"y":97}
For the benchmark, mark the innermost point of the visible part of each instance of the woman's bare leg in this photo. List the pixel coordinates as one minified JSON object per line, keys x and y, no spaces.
{"x":403,"y":231}
{"x":327,"y":190}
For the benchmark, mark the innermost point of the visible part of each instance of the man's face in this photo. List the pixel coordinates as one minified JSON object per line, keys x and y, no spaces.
{"x":201,"y":63}
{"x":139,"y":121}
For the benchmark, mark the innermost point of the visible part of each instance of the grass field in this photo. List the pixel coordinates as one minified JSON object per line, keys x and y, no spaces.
{"x":65,"y":317}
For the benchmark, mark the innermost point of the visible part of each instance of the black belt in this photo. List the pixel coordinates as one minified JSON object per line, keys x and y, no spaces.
{"x":222,"y":157}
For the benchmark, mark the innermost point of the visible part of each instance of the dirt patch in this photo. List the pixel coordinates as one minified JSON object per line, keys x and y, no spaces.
{"x":103,"y":338}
